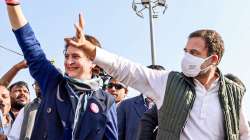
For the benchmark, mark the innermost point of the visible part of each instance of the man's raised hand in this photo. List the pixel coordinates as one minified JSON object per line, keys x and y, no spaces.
{"x":21,"y":65}
{"x":80,"y":41}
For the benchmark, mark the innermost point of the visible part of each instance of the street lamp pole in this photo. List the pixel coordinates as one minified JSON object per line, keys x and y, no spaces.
{"x":151,"y":33}
{"x":153,"y":5}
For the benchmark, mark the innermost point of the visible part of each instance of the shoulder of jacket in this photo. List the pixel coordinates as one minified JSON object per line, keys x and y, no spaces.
{"x":231,"y":83}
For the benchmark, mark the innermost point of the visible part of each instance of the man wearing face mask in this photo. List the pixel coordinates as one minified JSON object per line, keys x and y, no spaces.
{"x":198,"y":103}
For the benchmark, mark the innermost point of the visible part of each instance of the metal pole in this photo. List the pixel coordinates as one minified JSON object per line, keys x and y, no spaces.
{"x":151,"y":33}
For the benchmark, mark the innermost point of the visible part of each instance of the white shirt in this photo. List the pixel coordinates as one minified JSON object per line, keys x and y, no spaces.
{"x":16,"y":127}
{"x":205,"y":121}
{"x":5,"y":127}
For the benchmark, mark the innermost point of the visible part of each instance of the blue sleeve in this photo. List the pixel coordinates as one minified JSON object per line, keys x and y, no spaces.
{"x":40,"y":68}
{"x":111,"y":131}
{"x":121,"y":116}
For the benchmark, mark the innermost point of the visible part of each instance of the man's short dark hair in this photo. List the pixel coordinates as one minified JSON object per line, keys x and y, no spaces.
{"x":213,"y":41}
{"x":19,"y":84}
{"x":156,"y":67}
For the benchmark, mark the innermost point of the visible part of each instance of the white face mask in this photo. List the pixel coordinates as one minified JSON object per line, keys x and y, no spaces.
{"x":191,"y":65}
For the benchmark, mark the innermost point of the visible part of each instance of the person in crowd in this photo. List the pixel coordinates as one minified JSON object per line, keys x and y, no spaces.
{"x":148,"y":125}
{"x":156,"y":67}
{"x":6,"y":115}
{"x":19,"y":96}
{"x":129,"y":113}
{"x":73,"y":105}
{"x":100,"y":73}
{"x":19,"y":91}
{"x":196,"y":103}
{"x":5,"y":118}
{"x":117,"y":89}
{"x":24,"y":122}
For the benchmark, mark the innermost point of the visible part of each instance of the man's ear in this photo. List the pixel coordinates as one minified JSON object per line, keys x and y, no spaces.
{"x":215,"y":59}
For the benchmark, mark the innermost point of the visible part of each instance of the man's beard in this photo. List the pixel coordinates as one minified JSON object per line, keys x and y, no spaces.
{"x":17,"y":106}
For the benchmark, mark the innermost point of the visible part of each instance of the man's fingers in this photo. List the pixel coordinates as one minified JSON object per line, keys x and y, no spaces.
{"x":24,"y":64}
{"x":70,"y":41}
{"x":21,"y":65}
{"x":79,"y":32}
{"x":81,"y":21}
{"x":87,"y":46}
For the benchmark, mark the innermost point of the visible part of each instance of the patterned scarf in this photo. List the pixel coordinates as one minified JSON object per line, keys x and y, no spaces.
{"x":82,"y":91}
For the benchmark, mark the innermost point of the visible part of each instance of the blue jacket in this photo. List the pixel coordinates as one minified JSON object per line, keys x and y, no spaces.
{"x":129,"y":113}
{"x":54,"y":117}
